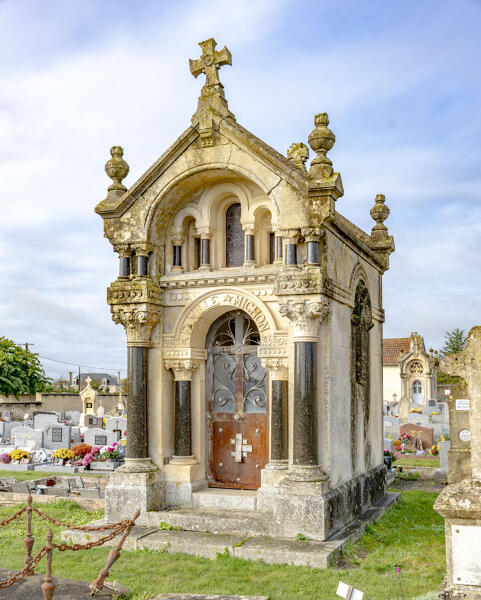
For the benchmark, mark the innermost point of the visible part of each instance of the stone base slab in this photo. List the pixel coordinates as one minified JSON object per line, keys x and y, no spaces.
{"x":206,"y":597}
{"x":258,"y":547}
{"x":180,"y":493}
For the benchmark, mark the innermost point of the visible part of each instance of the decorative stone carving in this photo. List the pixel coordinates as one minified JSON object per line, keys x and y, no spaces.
{"x":212,"y":99}
{"x":117,"y":169}
{"x":183,"y":369}
{"x":123,"y":250}
{"x":277,"y":367}
{"x":177,"y":238}
{"x":134,"y":291}
{"x":321,"y":140}
{"x":138,"y":322}
{"x":416,"y":368}
{"x":305,"y":317}
{"x":291,"y":236}
{"x":306,"y":282}
{"x":298,"y":153}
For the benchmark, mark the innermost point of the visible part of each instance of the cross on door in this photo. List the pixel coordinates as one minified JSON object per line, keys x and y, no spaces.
{"x":242,"y":448}
{"x":210,"y":62}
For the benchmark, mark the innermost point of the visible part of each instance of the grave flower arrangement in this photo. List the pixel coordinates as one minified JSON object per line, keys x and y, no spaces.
{"x":110,"y":452}
{"x":5,"y":458}
{"x":80,"y":450}
{"x":19,"y":454}
{"x":415,"y":409}
{"x":90,"y":456}
{"x":434,"y":413}
{"x":434,"y":450}
{"x":390,"y":453}
{"x":63,"y":454}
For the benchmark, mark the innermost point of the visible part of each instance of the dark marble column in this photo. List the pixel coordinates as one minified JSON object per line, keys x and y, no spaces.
{"x":183,"y":424}
{"x":137,"y":434}
{"x":249,"y":245}
{"x":291,"y":254}
{"x":142,"y":265}
{"x":279,"y":421}
{"x":177,"y":256}
{"x":313,"y":253}
{"x":205,"y":252}
{"x":305,"y":404}
{"x":124,"y":266}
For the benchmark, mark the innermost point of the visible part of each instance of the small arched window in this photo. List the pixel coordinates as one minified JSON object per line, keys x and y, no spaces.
{"x":417,"y":392}
{"x":234,"y":237}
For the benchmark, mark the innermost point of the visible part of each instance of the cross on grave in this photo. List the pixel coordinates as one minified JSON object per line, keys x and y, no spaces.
{"x":210,"y":62}
{"x":242,"y":448}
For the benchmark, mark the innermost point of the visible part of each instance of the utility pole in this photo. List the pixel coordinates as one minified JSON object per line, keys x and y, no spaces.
{"x":79,"y":379}
{"x":27,"y":344}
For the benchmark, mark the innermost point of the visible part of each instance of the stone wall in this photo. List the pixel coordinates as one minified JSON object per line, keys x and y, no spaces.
{"x":60,"y":401}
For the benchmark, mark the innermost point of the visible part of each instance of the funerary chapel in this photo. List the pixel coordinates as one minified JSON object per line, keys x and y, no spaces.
{"x":253,"y":317}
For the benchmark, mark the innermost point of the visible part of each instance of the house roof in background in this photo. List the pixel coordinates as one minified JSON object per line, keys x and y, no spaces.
{"x":392,"y":347}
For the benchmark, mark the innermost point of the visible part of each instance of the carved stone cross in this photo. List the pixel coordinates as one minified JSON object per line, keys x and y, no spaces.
{"x":467,"y":364}
{"x":210,"y":62}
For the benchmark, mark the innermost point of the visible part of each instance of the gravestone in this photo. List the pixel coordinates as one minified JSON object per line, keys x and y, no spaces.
{"x":73,"y":416}
{"x":99,"y":437}
{"x":75,"y":435}
{"x":460,"y":502}
{"x":57,"y":436}
{"x":92,"y":421}
{"x":89,"y":401}
{"x":117,"y":425}
{"x":27,"y":438}
{"x":43,"y":419}
{"x":6,"y":415}
{"x":425,"y":434}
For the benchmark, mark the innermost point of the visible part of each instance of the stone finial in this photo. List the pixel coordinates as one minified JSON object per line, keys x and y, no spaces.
{"x":298,"y":153}
{"x":117,"y":169}
{"x":212,"y":101}
{"x":321,"y":140}
{"x":380,"y":212}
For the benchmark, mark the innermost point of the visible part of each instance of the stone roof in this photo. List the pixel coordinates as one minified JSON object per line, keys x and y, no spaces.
{"x":392,"y":347}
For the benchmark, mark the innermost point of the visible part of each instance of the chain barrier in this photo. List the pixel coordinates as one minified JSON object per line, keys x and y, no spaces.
{"x":48,"y":587}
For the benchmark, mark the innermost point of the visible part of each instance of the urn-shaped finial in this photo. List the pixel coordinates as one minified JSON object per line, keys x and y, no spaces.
{"x":321,"y":140}
{"x":117,"y":169}
{"x":379,"y":212}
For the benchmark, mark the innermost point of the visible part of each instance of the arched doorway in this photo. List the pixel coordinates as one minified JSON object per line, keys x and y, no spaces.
{"x":237,"y":403}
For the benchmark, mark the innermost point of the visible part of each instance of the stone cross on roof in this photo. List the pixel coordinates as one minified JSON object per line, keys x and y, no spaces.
{"x":210,"y":62}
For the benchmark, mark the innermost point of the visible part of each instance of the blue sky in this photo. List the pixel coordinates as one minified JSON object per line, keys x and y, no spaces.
{"x":400,"y":82}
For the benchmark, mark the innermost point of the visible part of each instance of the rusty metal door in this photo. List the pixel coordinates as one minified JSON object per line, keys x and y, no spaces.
{"x":236,"y":403}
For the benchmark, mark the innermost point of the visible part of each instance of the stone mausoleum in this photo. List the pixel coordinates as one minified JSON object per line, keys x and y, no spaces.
{"x":253,"y":314}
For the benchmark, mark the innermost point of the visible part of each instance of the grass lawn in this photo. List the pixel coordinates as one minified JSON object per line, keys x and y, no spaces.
{"x":410,"y":536}
{"x":431,"y":462}
{"x":27,"y":475}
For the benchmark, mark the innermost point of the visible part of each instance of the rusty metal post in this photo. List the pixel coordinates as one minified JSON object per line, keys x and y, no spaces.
{"x":29,"y":540}
{"x":48,"y":586}
{"x":98,"y":584}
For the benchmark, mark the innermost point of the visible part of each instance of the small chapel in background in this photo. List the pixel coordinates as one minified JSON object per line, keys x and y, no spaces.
{"x":253,"y":315}
{"x":409,"y":372}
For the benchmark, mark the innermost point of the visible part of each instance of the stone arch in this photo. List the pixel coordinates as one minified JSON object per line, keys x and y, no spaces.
{"x":226,"y":167}
{"x":187,"y":211}
{"x":193,"y":323}
{"x":215,"y":196}
{"x":358,"y":274}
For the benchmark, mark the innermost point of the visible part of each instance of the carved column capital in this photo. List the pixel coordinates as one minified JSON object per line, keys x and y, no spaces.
{"x":183,"y":369}
{"x":138,"y":321}
{"x":312,"y":234}
{"x":123,"y":250}
{"x":277,"y":368}
{"x":177,"y":238}
{"x":290,"y":235}
{"x":205,"y":233}
{"x":305,"y":317}
{"x":142,"y":248}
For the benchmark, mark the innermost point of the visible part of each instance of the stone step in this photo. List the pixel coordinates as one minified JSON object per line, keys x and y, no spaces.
{"x":215,"y":520}
{"x":225,"y":499}
{"x":208,"y":545}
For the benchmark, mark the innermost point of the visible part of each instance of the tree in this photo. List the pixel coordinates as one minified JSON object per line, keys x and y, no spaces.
{"x":21,"y":372}
{"x":454,"y":342}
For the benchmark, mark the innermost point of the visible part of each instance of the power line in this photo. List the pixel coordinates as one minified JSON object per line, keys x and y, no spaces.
{"x":63,"y":362}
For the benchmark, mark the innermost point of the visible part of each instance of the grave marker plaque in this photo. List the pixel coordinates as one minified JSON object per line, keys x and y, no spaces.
{"x":56,"y":434}
{"x":100,"y":440}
